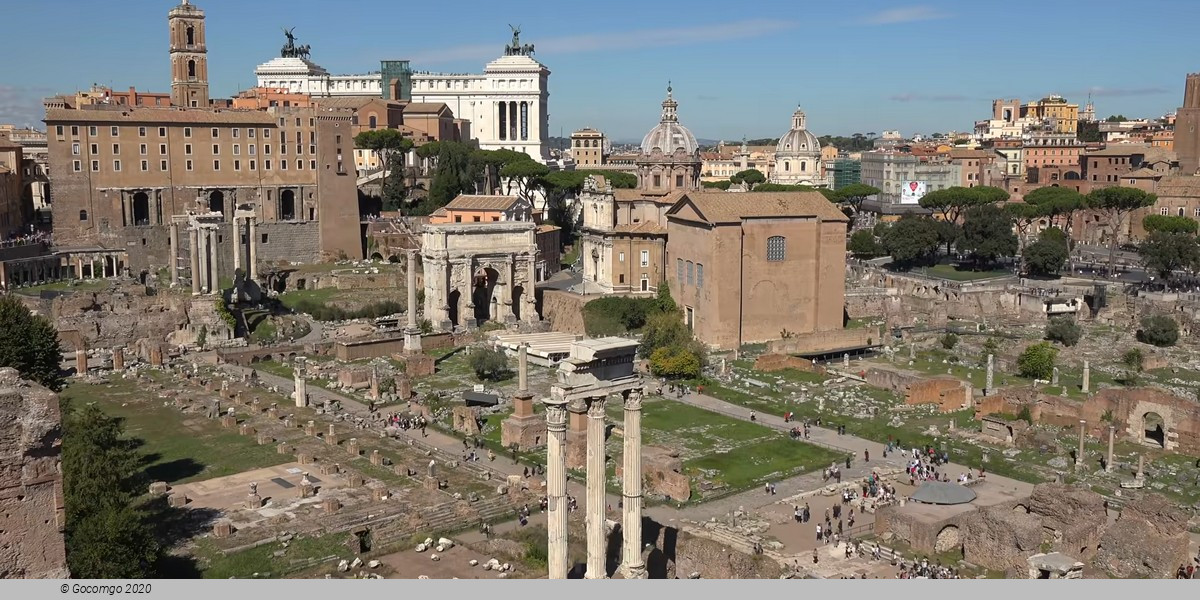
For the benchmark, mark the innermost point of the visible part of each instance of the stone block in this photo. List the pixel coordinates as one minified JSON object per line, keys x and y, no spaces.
{"x":177,"y":500}
{"x":331,"y":505}
{"x":379,"y":494}
{"x":310,"y":428}
{"x":431,"y":483}
{"x":246,"y":429}
{"x":526,"y":432}
{"x":376,"y":458}
{"x":263,"y":439}
{"x":229,"y":421}
{"x":304,"y":458}
{"x":354,"y":480}
{"x":352,"y":447}
{"x":159,"y":488}
{"x":330,"y":468}
{"x":283,"y":448}
{"x":223,"y":528}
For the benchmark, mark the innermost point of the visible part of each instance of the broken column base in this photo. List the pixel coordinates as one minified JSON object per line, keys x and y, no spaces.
{"x":527,"y":432}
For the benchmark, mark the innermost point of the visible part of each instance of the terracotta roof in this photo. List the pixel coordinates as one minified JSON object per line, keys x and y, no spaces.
{"x":1120,"y":150}
{"x":731,"y":207}
{"x":645,"y":227}
{"x":715,"y":156}
{"x":6,"y":143}
{"x":160,"y":115}
{"x":1143,"y":172}
{"x":1179,"y":186}
{"x":470,"y":202}
{"x":546,"y":227}
{"x":627,"y":195}
{"x":345,"y":101}
{"x":425,"y":107}
{"x":968,"y":153}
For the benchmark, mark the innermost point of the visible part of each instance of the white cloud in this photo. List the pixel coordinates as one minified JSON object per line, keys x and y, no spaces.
{"x":616,"y":41}
{"x":906,"y":14}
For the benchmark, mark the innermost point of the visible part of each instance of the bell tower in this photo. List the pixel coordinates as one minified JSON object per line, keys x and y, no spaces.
{"x":189,"y":57}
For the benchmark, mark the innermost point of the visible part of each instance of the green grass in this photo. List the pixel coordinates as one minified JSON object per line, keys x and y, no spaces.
{"x":294,"y":298}
{"x":954,"y":273}
{"x":179,"y":448}
{"x":754,"y":464}
{"x":264,"y":331}
{"x":79,"y":285}
{"x":570,"y":257}
{"x":215,"y":564}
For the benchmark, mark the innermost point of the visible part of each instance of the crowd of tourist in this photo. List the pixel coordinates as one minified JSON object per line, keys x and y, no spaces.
{"x":407,"y":422}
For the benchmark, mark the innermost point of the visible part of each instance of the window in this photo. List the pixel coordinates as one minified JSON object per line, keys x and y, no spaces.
{"x":266,"y":134}
{"x":216,"y":133}
{"x":679,"y":181}
{"x":77,"y":166}
{"x":475,"y":219}
{"x":116,"y":149}
{"x":236,"y":132}
{"x":251,"y":149}
{"x":312,"y":149}
{"x":249,"y":133}
{"x":621,"y":257}
{"x":162,"y":132}
{"x":187,"y":149}
{"x":267,"y":149}
{"x":83,"y":215}
{"x":679,"y":271}
{"x":267,"y":165}
{"x":96,"y":167}
{"x":1181,"y":211}
{"x":699,"y":275}
{"x":283,"y":165}
{"x":142,"y":149}
{"x":300,"y":165}
{"x":114,"y":131}
{"x":216,"y":165}
{"x":95,"y":148}
{"x":75,"y":130}
{"x":92,"y":131}
{"x":187,"y":132}
{"x":188,"y":165}
{"x":645,"y":258}
{"x":162,"y":165}
{"x":264,"y":238}
{"x":116,"y":165}
{"x":58,"y":130}
{"x":371,"y":122}
{"x":141,"y":132}
{"x":216,"y":149}
{"x":657,"y":180}
{"x":690,"y":269}
{"x":776,"y":248}
{"x":237,"y":165}
{"x":252,"y":165}
{"x":75,"y":148}
{"x":145,"y":165}
{"x":312,"y":164}
{"x":1162,"y":211}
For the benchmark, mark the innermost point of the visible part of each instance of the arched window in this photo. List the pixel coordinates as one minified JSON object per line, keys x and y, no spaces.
{"x":191,"y":35}
{"x":83,"y":215}
{"x":191,"y":68}
{"x":1181,"y":211}
{"x":787,"y":165}
{"x":371,"y":121}
{"x":803,"y":166}
{"x":776,"y":247}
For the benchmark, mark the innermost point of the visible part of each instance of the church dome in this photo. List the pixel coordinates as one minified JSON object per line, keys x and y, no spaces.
{"x":669,"y":135}
{"x":798,"y":140}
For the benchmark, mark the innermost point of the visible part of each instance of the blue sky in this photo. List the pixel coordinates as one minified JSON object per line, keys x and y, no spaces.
{"x":737,"y":68}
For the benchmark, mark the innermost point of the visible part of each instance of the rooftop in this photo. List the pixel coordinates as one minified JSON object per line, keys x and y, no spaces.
{"x":731,"y":207}
{"x":472,"y":202}
{"x":160,"y":115}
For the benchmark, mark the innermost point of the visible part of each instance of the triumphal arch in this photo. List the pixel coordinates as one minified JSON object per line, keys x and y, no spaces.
{"x":479,"y":271}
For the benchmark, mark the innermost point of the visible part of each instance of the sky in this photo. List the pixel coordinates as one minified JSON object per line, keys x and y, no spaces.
{"x":737,"y":69}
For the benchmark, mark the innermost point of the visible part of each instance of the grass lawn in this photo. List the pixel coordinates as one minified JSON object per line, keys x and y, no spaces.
{"x":294,"y":298}
{"x":215,"y":564}
{"x":178,"y":448}
{"x":754,"y":464}
{"x":954,"y":273}
{"x":80,"y":285}
{"x":570,"y":257}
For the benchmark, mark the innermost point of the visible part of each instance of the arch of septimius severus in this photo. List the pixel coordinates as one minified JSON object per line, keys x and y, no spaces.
{"x":479,"y":272}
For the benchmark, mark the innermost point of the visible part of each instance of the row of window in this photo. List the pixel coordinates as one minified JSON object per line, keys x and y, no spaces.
{"x":115,"y":131}
{"x":645,"y":258}
{"x":77,"y":165}
{"x":689,"y":267}
{"x":1164,"y":211}
{"x":187,"y":149}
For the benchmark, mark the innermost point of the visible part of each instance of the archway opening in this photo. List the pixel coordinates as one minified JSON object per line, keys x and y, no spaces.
{"x":394,"y":259}
{"x":287,"y":205}
{"x":518,"y":293}
{"x":1154,"y":430}
{"x":141,"y":209}
{"x":482,"y":287}
{"x":216,"y":201}
{"x":452,"y":304}
{"x":377,"y":257}
{"x":949,"y":539}
{"x":191,"y":35}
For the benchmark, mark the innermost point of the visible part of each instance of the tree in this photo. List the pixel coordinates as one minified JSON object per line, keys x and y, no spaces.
{"x":675,"y":362}
{"x":488,"y":164}
{"x":911,"y":240}
{"x":987,"y":234}
{"x":558,"y":186}
{"x":391,"y":147}
{"x":524,"y":174}
{"x":454,"y":174}
{"x":663,"y":302}
{"x":1116,"y":203}
{"x":29,"y":344}
{"x":864,"y":244}
{"x":108,"y":535}
{"x":949,"y":340}
{"x":716,"y":185}
{"x":1023,"y":216}
{"x":852,"y":197}
{"x":784,"y":187}
{"x":1159,"y":331}
{"x":489,"y":364}
{"x":1064,"y":330}
{"x":953,"y":201}
{"x":990,"y":347}
{"x":664,"y":329}
{"x":750,"y":177}
{"x":1116,"y":118}
{"x":1047,"y":256}
{"x":1169,"y":224}
{"x":1037,"y":361}
{"x":1134,"y":359}
{"x":1165,"y":252}
{"x":1058,"y":203}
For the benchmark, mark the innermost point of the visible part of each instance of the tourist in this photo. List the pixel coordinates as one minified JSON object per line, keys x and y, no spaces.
{"x":818,"y":534}
{"x":753,"y":417}
{"x":798,"y":514}
{"x":816,"y":559}
{"x":491,"y":455}
{"x":866,"y":456}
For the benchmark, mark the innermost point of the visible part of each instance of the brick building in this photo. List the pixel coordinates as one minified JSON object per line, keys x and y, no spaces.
{"x":119,"y":172}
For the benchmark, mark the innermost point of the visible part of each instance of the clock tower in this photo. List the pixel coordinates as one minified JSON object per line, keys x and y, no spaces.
{"x":189,"y":57}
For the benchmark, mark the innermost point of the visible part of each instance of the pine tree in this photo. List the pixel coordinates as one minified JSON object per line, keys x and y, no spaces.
{"x":29,"y":344}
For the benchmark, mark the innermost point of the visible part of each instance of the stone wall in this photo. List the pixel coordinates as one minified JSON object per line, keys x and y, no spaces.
{"x":117,"y":317}
{"x":287,"y":242}
{"x":777,"y":362}
{"x":348,"y":351}
{"x":948,"y":393}
{"x":819,"y":342}
{"x":564,"y":311}
{"x":31,"y":493}
{"x":1149,"y":539}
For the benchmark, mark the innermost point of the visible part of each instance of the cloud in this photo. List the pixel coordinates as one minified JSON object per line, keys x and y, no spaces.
{"x":617,"y":41}
{"x":22,"y":105}
{"x":906,"y":14}
{"x":928,"y":98}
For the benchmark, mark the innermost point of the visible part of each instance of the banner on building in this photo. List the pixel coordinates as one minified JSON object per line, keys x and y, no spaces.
{"x":911,"y":192}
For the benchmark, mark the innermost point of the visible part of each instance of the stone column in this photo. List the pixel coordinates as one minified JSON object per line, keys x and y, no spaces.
{"x":202,"y":253}
{"x":300,"y":395}
{"x":596,"y":542}
{"x":556,"y":487}
{"x":632,"y":566}
{"x":1054,"y":377}
{"x":1141,"y":472}
{"x":523,"y":369}
{"x":529,"y":311}
{"x":214,"y":279}
{"x":1079,"y":454}
{"x":1087,"y":376}
{"x":174,"y":258}
{"x":194,"y":258}
{"x":118,"y":359}
{"x":81,"y":362}
{"x":1108,"y":464}
{"x":412,"y":333}
{"x":846,"y":360}
{"x":991,"y":371}
{"x":237,"y":245}
{"x":253,"y":228}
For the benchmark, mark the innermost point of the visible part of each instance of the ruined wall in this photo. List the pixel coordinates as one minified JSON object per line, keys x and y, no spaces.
{"x":376,"y":348}
{"x":948,"y":393}
{"x":564,"y":311}
{"x":31,"y":494}
{"x":1001,"y":537}
{"x":1129,"y":407}
{"x":777,"y":362}
{"x":120,"y":317}
{"x":1149,"y":539}
{"x":825,"y":341}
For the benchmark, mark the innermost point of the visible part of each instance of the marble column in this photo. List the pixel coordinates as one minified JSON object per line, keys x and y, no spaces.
{"x":194,"y":259}
{"x":412,"y":333}
{"x":529,"y":311}
{"x":1079,"y":454}
{"x":118,"y":358}
{"x":237,"y":245}
{"x":632,"y":566}
{"x":253,"y":247}
{"x":81,"y":362}
{"x":596,"y":543}
{"x":1141,"y":472}
{"x":991,"y":371}
{"x":1108,"y":464}
{"x":214,"y":278}
{"x":1087,"y":376}
{"x":523,"y":369}
{"x":1054,"y":376}
{"x":556,"y":487}
{"x":202,"y":252}
{"x":300,"y":395}
{"x":173,"y":260}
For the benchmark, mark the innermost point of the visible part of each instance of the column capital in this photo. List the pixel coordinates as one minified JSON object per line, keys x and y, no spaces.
{"x":556,"y":414}
{"x":633,"y":399}
{"x":596,"y":407}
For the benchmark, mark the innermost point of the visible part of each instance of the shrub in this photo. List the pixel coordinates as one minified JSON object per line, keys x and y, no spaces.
{"x":1134,"y":359}
{"x":1025,"y":414}
{"x":991,"y":346}
{"x":675,"y":362}
{"x":864,"y":244}
{"x":1037,"y":361}
{"x":949,"y":341}
{"x":489,"y":364}
{"x":327,"y":312}
{"x":1064,"y":331}
{"x":613,"y":315}
{"x":1158,"y":331}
